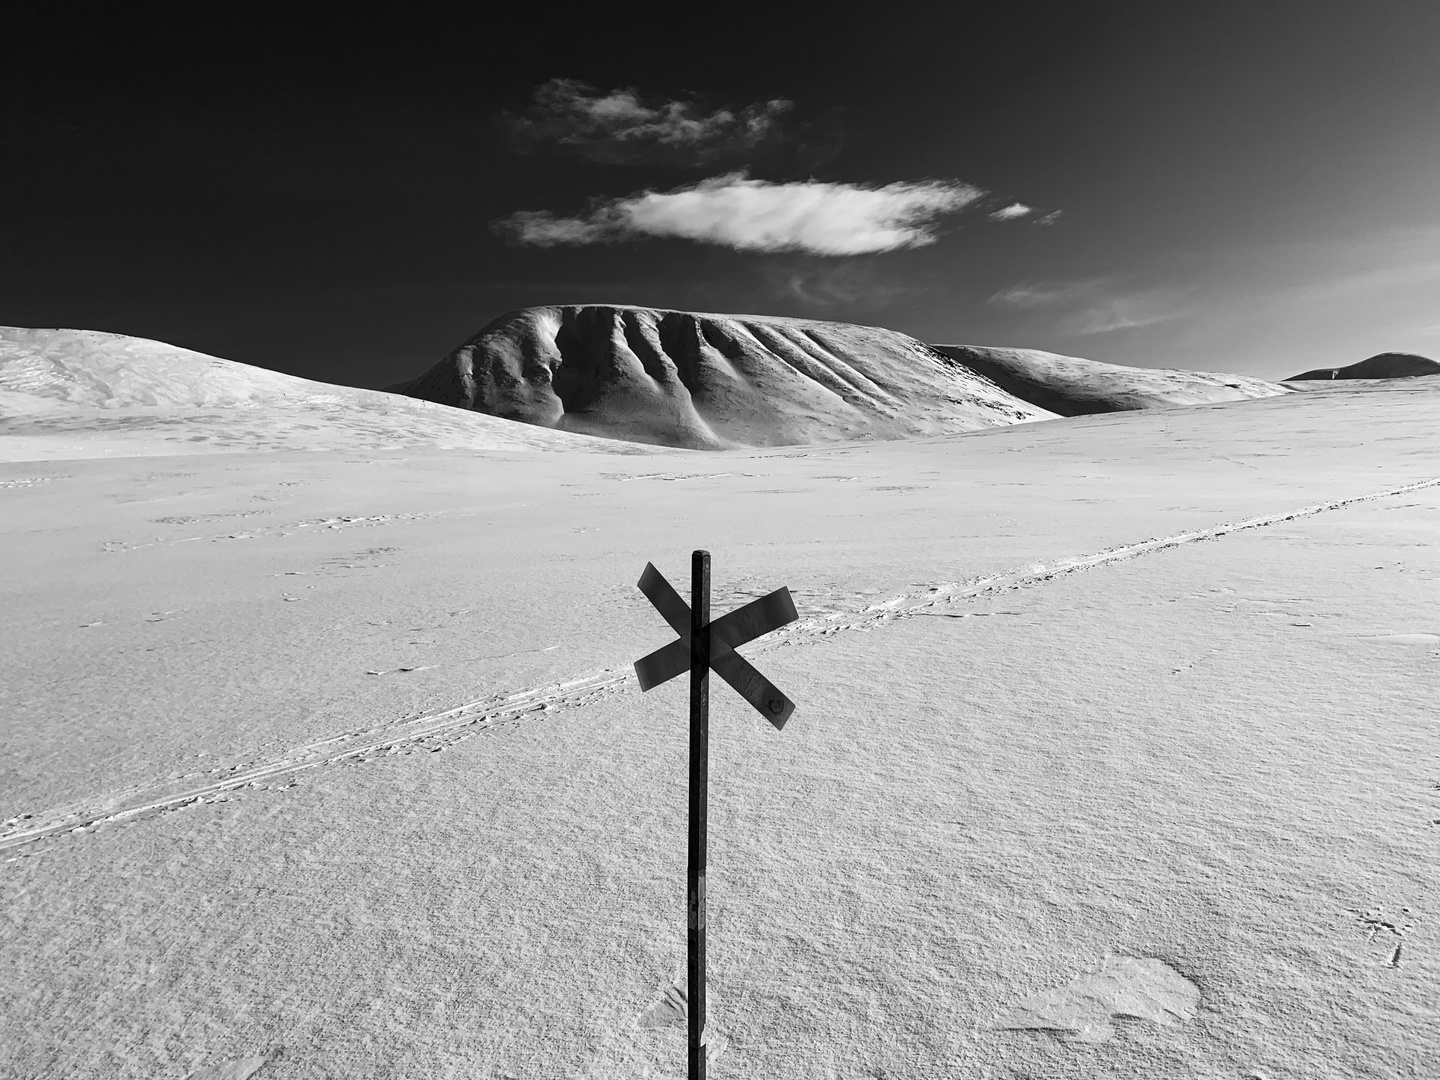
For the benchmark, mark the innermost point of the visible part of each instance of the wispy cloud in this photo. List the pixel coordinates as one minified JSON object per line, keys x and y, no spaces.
{"x":1095,"y":305}
{"x":1050,"y":218}
{"x":622,"y":127}
{"x":1011,"y":212}
{"x":756,"y":215}
{"x":1037,"y":296}
{"x":855,"y":284}
{"x":1124,"y":313}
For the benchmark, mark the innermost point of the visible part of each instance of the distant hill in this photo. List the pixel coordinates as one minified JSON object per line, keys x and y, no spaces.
{"x":712,"y":381}
{"x":1070,"y":386}
{"x":1388,"y":365}
{"x":76,"y":393}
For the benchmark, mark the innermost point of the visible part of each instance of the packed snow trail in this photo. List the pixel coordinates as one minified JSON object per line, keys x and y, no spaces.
{"x":430,"y":732}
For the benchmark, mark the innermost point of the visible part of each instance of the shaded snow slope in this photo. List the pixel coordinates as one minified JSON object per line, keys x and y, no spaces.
{"x":83,"y":393}
{"x":1389,"y":365}
{"x":677,"y":378}
{"x":1071,"y":386}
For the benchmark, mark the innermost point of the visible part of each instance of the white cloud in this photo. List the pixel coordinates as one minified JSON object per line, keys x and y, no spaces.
{"x":756,"y":215}
{"x":1049,"y":219}
{"x":621,"y":127}
{"x":1011,"y":212}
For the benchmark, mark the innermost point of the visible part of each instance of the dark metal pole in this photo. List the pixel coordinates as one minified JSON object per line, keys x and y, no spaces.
{"x":699,"y":809}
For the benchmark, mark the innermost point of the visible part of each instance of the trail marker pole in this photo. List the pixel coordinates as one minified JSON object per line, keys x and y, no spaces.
{"x":699,"y":806}
{"x":703,"y":645}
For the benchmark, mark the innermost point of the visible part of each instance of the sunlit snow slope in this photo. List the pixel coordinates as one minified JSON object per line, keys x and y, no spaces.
{"x":1071,"y":386}
{"x":712,"y":381}
{"x":112,"y":394}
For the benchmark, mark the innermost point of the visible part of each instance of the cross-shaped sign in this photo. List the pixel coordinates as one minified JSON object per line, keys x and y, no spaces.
{"x":703,"y":645}
{"x":727,"y":633}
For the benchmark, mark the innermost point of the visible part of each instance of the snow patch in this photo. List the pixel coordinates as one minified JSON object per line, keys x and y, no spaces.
{"x":1140,"y":988}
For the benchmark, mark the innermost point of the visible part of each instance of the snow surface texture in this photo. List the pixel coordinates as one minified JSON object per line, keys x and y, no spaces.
{"x":1070,"y":386}
{"x":1388,"y":365}
{"x":708,"y":382}
{"x":332,"y":763}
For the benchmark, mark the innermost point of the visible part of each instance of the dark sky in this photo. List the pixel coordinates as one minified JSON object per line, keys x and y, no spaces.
{"x":1247,"y":187}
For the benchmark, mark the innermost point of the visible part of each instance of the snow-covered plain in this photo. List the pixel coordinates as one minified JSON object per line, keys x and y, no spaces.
{"x":330,"y":763}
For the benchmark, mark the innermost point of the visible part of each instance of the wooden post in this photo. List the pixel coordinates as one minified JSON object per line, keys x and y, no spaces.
{"x":699,"y":805}
{"x":743,"y":624}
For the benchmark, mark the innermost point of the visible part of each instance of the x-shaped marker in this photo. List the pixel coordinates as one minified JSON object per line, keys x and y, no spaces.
{"x":727,"y":633}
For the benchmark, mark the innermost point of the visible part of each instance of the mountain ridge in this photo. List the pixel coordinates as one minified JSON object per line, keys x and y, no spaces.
{"x":711,"y":381}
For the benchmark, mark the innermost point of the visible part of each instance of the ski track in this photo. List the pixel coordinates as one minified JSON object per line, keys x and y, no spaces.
{"x":431,"y":732}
